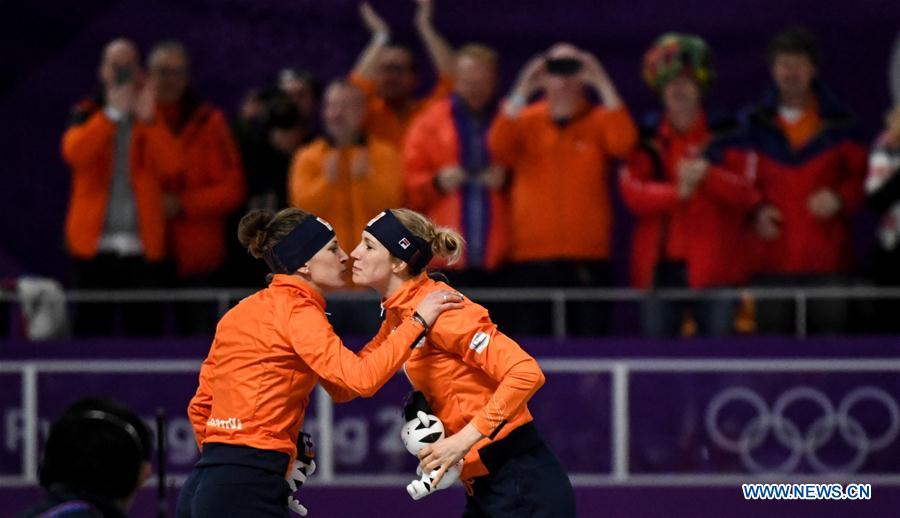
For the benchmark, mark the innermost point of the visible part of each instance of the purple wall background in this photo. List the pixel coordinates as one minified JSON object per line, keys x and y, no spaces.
{"x":50,"y":52}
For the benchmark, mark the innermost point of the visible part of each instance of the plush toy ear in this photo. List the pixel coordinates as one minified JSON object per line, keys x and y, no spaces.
{"x":423,"y":418}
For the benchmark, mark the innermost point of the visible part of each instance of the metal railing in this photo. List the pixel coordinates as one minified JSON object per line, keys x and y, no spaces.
{"x":558,"y":298}
{"x":620,"y":371}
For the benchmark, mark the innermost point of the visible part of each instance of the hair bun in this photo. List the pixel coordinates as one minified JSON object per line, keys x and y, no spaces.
{"x":252,"y":231}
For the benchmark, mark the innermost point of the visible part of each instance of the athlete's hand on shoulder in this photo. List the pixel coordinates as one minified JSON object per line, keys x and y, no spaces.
{"x":436,"y":303}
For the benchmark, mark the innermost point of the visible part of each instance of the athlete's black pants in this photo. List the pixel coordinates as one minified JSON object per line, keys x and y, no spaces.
{"x":525,"y":480}
{"x":236,"y":481}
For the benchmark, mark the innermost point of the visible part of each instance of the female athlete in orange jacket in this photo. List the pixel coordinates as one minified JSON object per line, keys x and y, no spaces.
{"x":268,"y":353}
{"x":476,"y":379}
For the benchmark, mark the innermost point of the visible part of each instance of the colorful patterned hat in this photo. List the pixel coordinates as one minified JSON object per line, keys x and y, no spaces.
{"x":673,"y":54}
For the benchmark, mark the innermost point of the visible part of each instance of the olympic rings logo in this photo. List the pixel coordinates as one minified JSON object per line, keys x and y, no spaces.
{"x":802,"y":445}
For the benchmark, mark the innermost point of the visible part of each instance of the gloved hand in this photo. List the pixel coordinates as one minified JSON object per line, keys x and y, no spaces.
{"x":304,"y":466}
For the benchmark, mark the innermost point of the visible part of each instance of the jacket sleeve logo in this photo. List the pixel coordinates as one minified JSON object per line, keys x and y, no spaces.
{"x":479,"y":342}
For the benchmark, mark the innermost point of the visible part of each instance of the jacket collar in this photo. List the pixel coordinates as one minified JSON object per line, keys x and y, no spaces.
{"x":829,"y":107}
{"x":281,"y":280}
{"x":698,"y":130}
{"x":407,"y":292}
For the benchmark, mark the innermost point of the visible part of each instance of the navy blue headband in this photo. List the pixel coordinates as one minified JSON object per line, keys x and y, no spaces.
{"x":399,"y":241}
{"x":301,"y":243}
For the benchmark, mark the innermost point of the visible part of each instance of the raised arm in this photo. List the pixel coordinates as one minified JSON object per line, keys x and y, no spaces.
{"x":380,"y":34}
{"x":86,"y":139}
{"x":440,"y":52}
{"x":595,"y":76}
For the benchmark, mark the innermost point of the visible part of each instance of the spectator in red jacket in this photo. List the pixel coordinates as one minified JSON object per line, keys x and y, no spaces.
{"x":689,"y":216}
{"x":206,"y":189}
{"x":801,"y":147}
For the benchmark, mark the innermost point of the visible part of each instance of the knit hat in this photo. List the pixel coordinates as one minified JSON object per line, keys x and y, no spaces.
{"x":673,"y":54}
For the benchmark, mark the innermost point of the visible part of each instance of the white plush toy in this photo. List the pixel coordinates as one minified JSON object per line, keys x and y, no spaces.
{"x":303,"y":468}
{"x":423,"y":427}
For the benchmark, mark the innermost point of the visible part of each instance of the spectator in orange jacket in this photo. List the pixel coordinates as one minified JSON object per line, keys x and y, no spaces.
{"x":690,"y":217}
{"x":208,"y":187}
{"x":347,"y":177}
{"x":267,"y":356}
{"x":387,"y":73}
{"x":449,"y":173}
{"x":120,"y":153}
{"x":558,"y":150}
{"x":476,"y":379}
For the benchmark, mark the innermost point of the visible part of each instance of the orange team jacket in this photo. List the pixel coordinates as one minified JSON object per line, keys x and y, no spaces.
{"x":348,"y":203}
{"x":432,"y":144}
{"x":209,"y":186}
{"x":383,"y":121}
{"x":468,"y":370}
{"x":560,"y":203}
{"x":87,"y":148}
{"x":269,"y":352}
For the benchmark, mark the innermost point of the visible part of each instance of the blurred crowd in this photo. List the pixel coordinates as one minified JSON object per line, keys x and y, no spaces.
{"x":763,"y":197}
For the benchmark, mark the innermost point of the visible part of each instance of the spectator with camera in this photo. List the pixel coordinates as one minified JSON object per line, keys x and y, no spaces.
{"x":120,"y":153}
{"x":558,"y":150}
{"x":689,"y":216}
